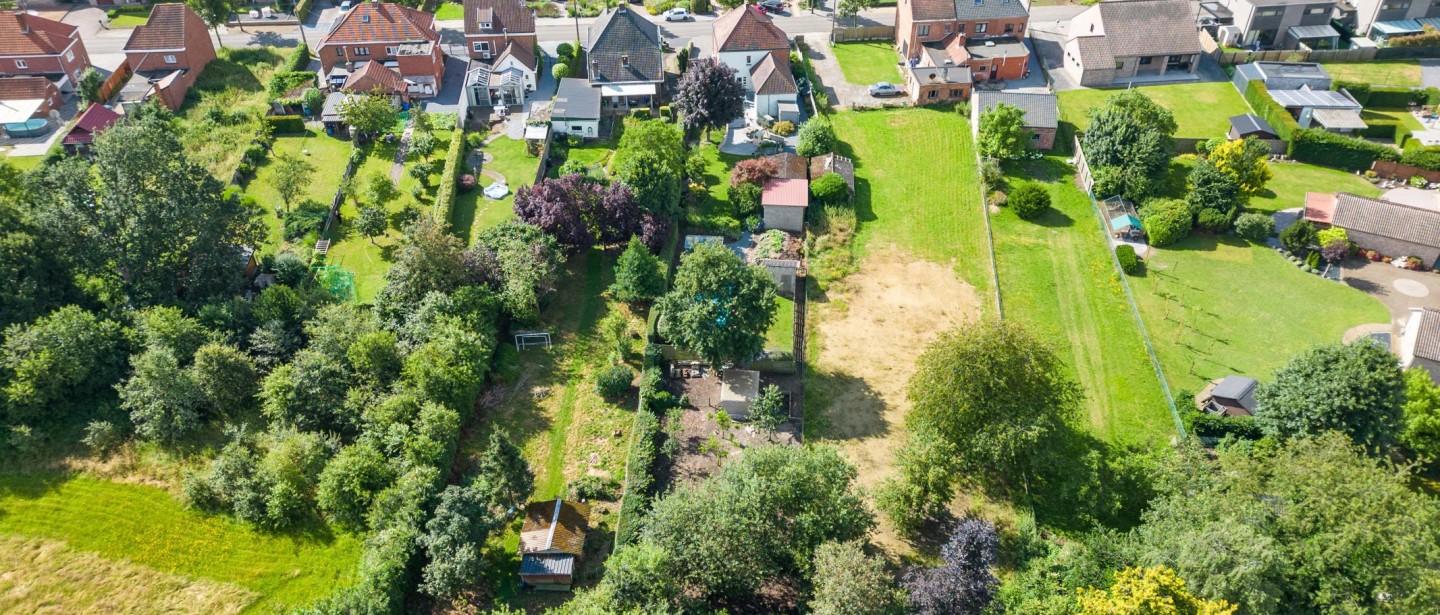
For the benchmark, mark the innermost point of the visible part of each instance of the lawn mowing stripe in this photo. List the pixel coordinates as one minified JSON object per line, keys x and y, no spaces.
{"x":553,"y":483}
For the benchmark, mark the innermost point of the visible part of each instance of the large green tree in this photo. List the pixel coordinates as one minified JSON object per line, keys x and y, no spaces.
{"x":1002,"y":132}
{"x":214,"y":13}
{"x":529,"y":262}
{"x":709,"y":95}
{"x":1355,"y":388}
{"x":370,"y":114}
{"x":161,"y":397}
{"x":1131,"y":138}
{"x":1422,"y":415}
{"x":654,"y":181}
{"x":849,"y":582}
{"x":639,"y":275}
{"x":60,"y":362}
{"x":719,"y":307}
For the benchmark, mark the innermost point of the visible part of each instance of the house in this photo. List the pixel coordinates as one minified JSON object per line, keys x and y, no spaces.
{"x":1389,"y":228}
{"x":922,"y":22}
{"x":1384,"y":19}
{"x":1250,"y":125}
{"x":552,"y":541}
{"x":1420,"y":341}
{"x":940,"y":73}
{"x":1333,"y":110}
{"x":374,"y":77}
{"x":1042,"y":114}
{"x":94,"y":120}
{"x":784,"y":201}
{"x":576,"y":109}
{"x":167,"y":54}
{"x":1282,"y":75}
{"x":743,"y":37}
{"x":402,"y":39}
{"x":834,"y":163}
{"x":1119,"y":40}
{"x":738,"y":390}
{"x":504,"y":64}
{"x":625,"y":59}
{"x":1284,"y":24}
{"x":1228,"y":396}
{"x":31,"y":45}
{"x":26,"y":104}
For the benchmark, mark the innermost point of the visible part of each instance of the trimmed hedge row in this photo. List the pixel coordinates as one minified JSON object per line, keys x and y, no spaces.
{"x":1272,"y":112}
{"x":1417,"y":155}
{"x":1211,"y":426}
{"x":1386,"y":129}
{"x":445,"y":195}
{"x":285,"y":124}
{"x":1339,"y":151}
{"x":639,"y":473}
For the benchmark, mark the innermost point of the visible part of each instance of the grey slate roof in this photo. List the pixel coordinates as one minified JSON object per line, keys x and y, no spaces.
{"x":1427,"y":338}
{"x":576,"y":99}
{"x":1238,"y":388}
{"x":1250,"y":124}
{"x":556,"y":564}
{"x":1387,"y":219}
{"x":624,"y":47}
{"x":1147,"y":28}
{"x":989,"y":9}
{"x":1041,"y":110}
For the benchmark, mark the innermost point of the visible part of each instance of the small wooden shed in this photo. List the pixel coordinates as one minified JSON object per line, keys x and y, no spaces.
{"x":552,"y":541}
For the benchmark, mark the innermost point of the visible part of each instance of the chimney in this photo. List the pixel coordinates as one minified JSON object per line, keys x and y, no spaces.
{"x":24,"y":23}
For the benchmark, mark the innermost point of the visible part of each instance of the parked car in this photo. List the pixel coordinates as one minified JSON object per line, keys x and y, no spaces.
{"x":772,"y":6}
{"x":678,"y":14}
{"x":345,"y":6}
{"x":883,"y":89}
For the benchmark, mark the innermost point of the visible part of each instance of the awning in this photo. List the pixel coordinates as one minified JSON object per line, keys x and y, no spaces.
{"x":1124,"y":221}
{"x":1398,"y":27}
{"x":536,"y":132}
{"x":18,"y":111}
{"x":629,"y":89}
{"x":1339,"y":118}
{"x":1304,"y":32}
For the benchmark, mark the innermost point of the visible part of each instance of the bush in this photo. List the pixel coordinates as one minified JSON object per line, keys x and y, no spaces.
{"x":830,"y":189}
{"x":1207,"y":425}
{"x":614,"y":381}
{"x":593,"y":488}
{"x":1358,"y":90}
{"x":1332,"y":150}
{"x":639,"y":475}
{"x":1272,"y":112}
{"x":783,"y":128}
{"x":1129,"y":261}
{"x":285,"y":124}
{"x":667,"y":113}
{"x":1213,"y":220}
{"x":817,"y":137}
{"x":640,"y":114}
{"x":1298,"y":237}
{"x":1166,"y":221}
{"x":467,"y":182}
{"x":449,"y":178}
{"x":1313,"y":260}
{"x":1255,"y":227}
{"x":1029,"y":201}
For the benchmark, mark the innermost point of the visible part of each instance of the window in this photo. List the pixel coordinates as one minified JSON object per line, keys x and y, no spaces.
{"x":948,"y":28}
{"x":21,"y":64}
{"x":1009,"y":28}
{"x":932,"y":94}
{"x":747,"y":61}
{"x":1269,"y":12}
{"x":1034,"y":136}
{"x":1318,"y":10}
{"x":960,"y":27}
{"x":69,"y":55}
{"x":1119,"y":64}
{"x":339,"y":52}
{"x":169,"y":59}
{"x":362,"y":51}
{"x":484,"y":25}
{"x":481,"y":47}
{"x":1392,"y":6}
{"x":981,"y":27}
{"x":922,"y":30}
{"x":364,"y":19}
{"x":1145,"y":60}
{"x":956,"y":93}
{"x":390,"y":51}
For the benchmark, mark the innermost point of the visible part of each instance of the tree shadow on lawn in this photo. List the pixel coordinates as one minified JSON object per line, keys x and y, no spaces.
{"x":841,"y":406}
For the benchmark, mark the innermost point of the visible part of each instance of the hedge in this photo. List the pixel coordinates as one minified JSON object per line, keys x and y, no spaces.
{"x":1417,"y":155}
{"x":1339,"y":151}
{"x":445,"y":195}
{"x":1359,"y":90}
{"x":1385,"y":129}
{"x":299,"y":58}
{"x":285,"y":124}
{"x":1396,"y":98}
{"x":639,"y":461}
{"x":1272,"y":112}
{"x":1208,"y":425}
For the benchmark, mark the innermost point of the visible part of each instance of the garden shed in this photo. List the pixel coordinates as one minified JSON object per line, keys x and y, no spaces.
{"x":738,"y":389}
{"x":785,"y":201}
{"x":552,"y":541}
{"x":1251,"y":125}
{"x":1228,"y":396}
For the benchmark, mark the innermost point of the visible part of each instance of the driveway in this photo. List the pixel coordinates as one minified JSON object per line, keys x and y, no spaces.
{"x":842,"y":93}
{"x":1399,"y":289}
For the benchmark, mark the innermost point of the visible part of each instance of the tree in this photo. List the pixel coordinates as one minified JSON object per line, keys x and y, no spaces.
{"x":38,"y":278}
{"x":370,"y":113}
{"x":1214,"y":189}
{"x":379,"y":190}
{"x":719,"y":308}
{"x":995,"y":392}
{"x":1355,"y":388}
{"x":578,"y":212}
{"x":560,"y":70}
{"x":226,"y":378}
{"x":654,"y":136}
{"x":1422,"y":415}
{"x":291,"y":176}
{"x":848,"y":582}
{"x":452,"y":540}
{"x":816,"y":137}
{"x":964,"y":584}
{"x":754,"y":171}
{"x":421,"y":121}
{"x":1030,"y":200}
{"x":925,"y":469}
{"x":709,"y":95}
{"x":848,"y":9}
{"x":1149,"y":591}
{"x":653,"y":180}
{"x":309,"y":393}
{"x":639,"y":275}
{"x":1247,"y":160}
{"x":350,"y":483}
{"x":62,"y":359}
{"x":372,"y":222}
{"x":1254,"y":226}
{"x":423,"y":144}
{"x":502,"y":476}
{"x":1166,"y":221}
{"x":162,"y":399}
{"x":830,"y":189}
{"x":429,"y":259}
{"x":768,"y":410}
{"x":1131,"y":138}
{"x":1002,"y":132}
{"x":89,"y":85}
{"x":529,"y":262}
{"x":214,"y":13}
{"x":168,"y":327}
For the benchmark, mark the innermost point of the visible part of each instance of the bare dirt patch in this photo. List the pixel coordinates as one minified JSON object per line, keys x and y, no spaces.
{"x":870,"y":330}
{"x":46,"y":576}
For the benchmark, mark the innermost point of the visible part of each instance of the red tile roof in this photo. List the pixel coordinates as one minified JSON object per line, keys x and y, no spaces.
{"x":25,"y":34}
{"x":504,"y":17}
{"x":165,"y":29}
{"x":372,"y":75}
{"x":1319,"y":207}
{"x":747,"y":29}
{"x":382,"y":22}
{"x":519,"y":53}
{"x":26,"y":88}
{"x":786,"y":192}
{"x":95,"y":120}
{"x":772,"y":76}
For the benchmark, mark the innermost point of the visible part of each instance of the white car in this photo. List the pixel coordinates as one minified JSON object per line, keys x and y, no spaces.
{"x":678,"y":14}
{"x":883,"y":89}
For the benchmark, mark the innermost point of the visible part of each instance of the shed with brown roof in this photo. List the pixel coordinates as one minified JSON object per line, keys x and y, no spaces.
{"x":791,"y":166}
{"x":1389,"y":228}
{"x":375,"y":76}
{"x":552,"y":541}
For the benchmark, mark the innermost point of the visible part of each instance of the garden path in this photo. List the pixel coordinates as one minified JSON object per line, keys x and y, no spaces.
{"x":397,"y":170}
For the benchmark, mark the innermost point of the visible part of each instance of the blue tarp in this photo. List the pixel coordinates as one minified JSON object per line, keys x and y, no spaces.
{"x":1125,"y":221}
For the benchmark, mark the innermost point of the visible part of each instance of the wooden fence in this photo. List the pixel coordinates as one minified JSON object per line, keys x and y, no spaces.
{"x":1403,"y":172}
{"x":1296,"y":55}
{"x":862,"y":33}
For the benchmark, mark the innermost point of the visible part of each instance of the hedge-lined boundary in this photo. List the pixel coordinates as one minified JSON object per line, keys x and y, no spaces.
{"x":1338,"y":151}
{"x":1388,"y":97}
{"x":1259,"y":98}
{"x":639,"y":464}
{"x":445,"y":195}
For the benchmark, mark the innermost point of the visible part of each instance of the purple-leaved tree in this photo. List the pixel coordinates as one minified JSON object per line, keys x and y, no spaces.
{"x":580,"y":212}
{"x":965,"y":584}
{"x":709,"y":95}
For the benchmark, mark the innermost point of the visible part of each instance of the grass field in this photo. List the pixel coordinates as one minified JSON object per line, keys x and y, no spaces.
{"x":1395,"y":72}
{"x":474,"y":212}
{"x":450,"y":11}
{"x":1292,"y":180}
{"x":1222,"y":306}
{"x":714,"y":213}
{"x":24,"y":163}
{"x":781,"y":335}
{"x":867,"y":63}
{"x":1403,"y":116}
{"x":139,"y":527}
{"x":329,"y":156}
{"x":1056,"y":277}
{"x":232,"y":89}
{"x":926,"y":200}
{"x":130,"y":20}
{"x":1202,"y":110}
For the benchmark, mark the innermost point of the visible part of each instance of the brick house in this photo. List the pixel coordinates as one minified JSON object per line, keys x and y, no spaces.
{"x":919,"y":23}
{"x":748,"y":41}
{"x":168,"y":53}
{"x":26,"y":98}
{"x":622,"y":49}
{"x":1114,"y":41}
{"x":374,"y":77}
{"x":400,"y":38}
{"x":31,"y":45}
{"x":504,"y":63}
{"x":1042,"y":114}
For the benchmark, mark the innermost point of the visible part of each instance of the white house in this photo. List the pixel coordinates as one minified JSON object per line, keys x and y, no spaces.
{"x":576,"y":110}
{"x":749,"y":42}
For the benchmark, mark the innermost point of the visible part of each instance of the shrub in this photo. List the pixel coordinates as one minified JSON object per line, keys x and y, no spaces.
{"x":614,"y":382}
{"x":1298,"y":237}
{"x":830,"y":189}
{"x":285,"y":124}
{"x":1029,"y":201}
{"x":1210,"y":426}
{"x":593,"y":488}
{"x":1313,"y":260}
{"x":1166,"y":221}
{"x":467,"y":182}
{"x":1334,"y":250}
{"x":1272,"y":112}
{"x":638,"y":476}
{"x":1332,"y":150}
{"x":667,"y":113}
{"x":642,"y":113}
{"x":817,"y":137}
{"x":1129,"y":261}
{"x":783,"y":128}
{"x":1213,"y":220}
{"x":1417,"y":181}
{"x":1255,"y":227}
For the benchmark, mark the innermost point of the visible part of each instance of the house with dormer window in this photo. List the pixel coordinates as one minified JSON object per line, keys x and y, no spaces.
{"x":624,"y":59}
{"x":929,"y":23}
{"x":504,"y":52}
{"x":400,"y":38}
{"x":748,"y":41}
{"x":31,"y":45}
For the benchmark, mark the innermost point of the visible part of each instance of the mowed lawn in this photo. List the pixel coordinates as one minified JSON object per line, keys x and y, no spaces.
{"x":869,"y":62}
{"x":474,"y":212}
{"x":1395,"y":72}
{"x":149,"y":527}
{"x":1291,"y":181}
{"x":1223,"y":306}
{"x":1202,"y":110}
{"x":328,"y":154}
{"x":1057,"y":278}
{"x":917,"y":187}
{"x":781,"y":335}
